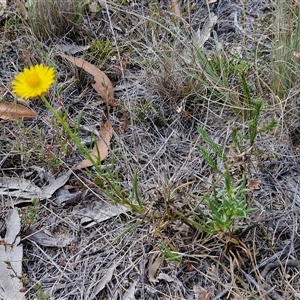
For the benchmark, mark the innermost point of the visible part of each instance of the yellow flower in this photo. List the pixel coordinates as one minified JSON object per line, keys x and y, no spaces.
{"x":33,"y":82}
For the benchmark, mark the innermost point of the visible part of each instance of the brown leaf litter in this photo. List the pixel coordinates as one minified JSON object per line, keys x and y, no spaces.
{"x":102,"y":85}
{"x":15,"y":111}
{"x":100,"y":149}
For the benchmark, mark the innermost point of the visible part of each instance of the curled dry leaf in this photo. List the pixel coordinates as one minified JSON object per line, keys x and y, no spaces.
{"x":15,"y":111}
{"x":44,"y":239}
{"x":155,"y":262}
{"x":66,"y":198}
{"x":174,"y":8}
{"x":203,"y":35}
{"x":254,"y":184}
{"x":100,"y":150}
{"x":102,"y":85}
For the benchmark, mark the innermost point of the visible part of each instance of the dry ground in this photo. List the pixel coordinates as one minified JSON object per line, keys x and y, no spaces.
{"x":153,"y":254}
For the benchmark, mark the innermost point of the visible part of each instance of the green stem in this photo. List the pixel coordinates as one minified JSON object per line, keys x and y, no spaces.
{"x":117,"y":197}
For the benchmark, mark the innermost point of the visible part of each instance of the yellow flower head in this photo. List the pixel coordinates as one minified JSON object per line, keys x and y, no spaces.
{"x":33,"y":82}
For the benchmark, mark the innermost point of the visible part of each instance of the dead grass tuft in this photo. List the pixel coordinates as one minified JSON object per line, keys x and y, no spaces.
{"x":50,"y":19}
{"x":173,"y":78}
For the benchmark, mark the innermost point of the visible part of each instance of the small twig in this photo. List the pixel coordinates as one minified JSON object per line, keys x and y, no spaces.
{"x":287,"y":263}
{"x":222,"y":294}
{"x":270,"y":291}
{"x":255,"y":224}
{"x":277,"y":256}
{"x":263,"y":289}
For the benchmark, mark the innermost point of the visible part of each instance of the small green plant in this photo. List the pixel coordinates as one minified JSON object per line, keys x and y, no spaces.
{"x":253,"y":123}
{"x":228,"y":205}
{"x":32,"y":212}
{"x":40,"y":294}
{"x":242,"y":141}
{"x":112,"y":188}
{"x":102,"y":49}
{"x":171,"y":255}
{"x":215,"y":72}
{"x":33,"y":145}
{"x":216,"y":149}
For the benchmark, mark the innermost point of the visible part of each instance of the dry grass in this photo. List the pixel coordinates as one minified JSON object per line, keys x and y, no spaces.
{"x":55,"y":19}
{"x":164,"y":89}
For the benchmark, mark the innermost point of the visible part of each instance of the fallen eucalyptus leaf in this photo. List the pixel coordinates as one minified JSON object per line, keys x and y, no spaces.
{"x":104,"y":281}
{"x":21,"y":188}
{"x":11,"y":257}
{"x":102,"y":85}
{"x":100,"y":150}
{"x":94,"y":212}
{"x":71,"y":48}
{"x":15,"y":111}
{"x":67,"y":198}
{"x":48,"y":190}
{"x":203,"y":35}
{"x":46,"y":240}
{"x":155,"y":262}
{"x":13,"y":226}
